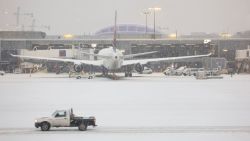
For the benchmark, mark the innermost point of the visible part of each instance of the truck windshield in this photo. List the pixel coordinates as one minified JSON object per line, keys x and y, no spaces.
{"x":53,"y":115}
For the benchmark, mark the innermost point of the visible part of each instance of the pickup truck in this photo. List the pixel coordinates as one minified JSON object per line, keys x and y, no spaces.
{"x":65,"y":118}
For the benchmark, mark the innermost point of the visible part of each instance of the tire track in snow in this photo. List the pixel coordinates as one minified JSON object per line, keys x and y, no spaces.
{"x":128,"y":130}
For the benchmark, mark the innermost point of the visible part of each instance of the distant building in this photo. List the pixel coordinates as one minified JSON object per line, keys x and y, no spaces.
{"x":245,"y":34}
{"x":201,"y":35}
{"x":242,"y":58}
{"x":242,"y":55}
{"x":129,"y":31}
{"x":22,"y":35}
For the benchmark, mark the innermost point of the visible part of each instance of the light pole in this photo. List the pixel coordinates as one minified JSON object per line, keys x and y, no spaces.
{"x":154,"y":10}
{"x":146,"y":13}
{"x":18,"y":14}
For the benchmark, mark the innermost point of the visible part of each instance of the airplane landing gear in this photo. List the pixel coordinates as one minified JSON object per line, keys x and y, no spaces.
{"x":112,"y":76}
{"x":104,"y":72}
{"x":78,"y":77}
{"x":90,"y":77}
{"x":128,"y":71}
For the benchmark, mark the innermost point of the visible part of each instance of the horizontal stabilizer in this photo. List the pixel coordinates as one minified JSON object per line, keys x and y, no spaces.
{"x":96,"y":55}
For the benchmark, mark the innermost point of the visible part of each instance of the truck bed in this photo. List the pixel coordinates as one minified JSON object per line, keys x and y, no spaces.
{"x":88,"y":121}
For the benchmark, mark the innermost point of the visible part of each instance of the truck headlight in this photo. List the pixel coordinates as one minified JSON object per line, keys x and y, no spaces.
{"x":35,"y":120}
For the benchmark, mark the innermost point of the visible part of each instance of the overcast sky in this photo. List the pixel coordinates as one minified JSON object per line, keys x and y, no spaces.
{"x":87,"y":16}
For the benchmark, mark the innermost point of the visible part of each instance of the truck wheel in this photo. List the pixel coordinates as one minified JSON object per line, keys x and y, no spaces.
{"x":82,"y":127}
{"x":45,"y":126}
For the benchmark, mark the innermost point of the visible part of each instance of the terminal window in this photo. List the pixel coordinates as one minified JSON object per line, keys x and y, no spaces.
{"x":131,"y":28}
{"x":122,"y":28}
{"x":62,"y":53}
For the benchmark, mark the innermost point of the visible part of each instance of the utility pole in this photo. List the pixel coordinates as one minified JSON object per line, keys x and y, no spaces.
{"x":18,"y":14}
{"x":154,"y":10}
{"x":33,"y":25}
{"x":146,"y":13}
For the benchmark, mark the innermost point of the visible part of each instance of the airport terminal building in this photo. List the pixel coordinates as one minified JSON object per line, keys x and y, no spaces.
{"x":131,"y":39}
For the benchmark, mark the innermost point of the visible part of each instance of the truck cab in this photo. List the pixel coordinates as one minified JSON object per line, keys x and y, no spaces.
{"x":60,"y":118}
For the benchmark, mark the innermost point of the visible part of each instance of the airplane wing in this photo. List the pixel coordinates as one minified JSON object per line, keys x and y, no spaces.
{"x":75,"y":61}
{"x":145,"y":61}
{"x":138,"y":54}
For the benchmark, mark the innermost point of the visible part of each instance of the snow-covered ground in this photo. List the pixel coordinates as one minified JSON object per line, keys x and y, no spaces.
{"x":145,"y":107}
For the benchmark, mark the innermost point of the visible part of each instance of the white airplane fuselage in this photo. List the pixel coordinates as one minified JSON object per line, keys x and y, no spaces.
{"x":115,"y":60}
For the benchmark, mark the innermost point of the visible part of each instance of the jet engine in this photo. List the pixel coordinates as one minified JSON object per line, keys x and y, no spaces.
{"x":78,"y":68}
{"x":139,"y":68}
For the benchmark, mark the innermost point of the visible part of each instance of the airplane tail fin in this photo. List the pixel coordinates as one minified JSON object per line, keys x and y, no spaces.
{"x":115,"y":32}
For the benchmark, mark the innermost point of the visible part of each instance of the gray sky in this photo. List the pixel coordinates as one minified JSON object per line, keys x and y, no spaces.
{"x":87,"y":16}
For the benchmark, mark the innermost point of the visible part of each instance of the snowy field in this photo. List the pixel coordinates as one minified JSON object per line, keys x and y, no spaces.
{"x":153,"y":107}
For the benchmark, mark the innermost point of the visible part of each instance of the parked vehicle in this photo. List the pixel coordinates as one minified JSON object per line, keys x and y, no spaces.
{"x":214,"y":72}
{"x":146,"y":71}
{"x":201,"y":75}
{"x":65,"y":118}
{"x":172,"y":71}
{"x":169,"y":71}
{"x":209,"y":74}
{"x":194,"y":71}
{"x":2,"y":73}
{"x":180,"y":70}
{"x":191,"y":71}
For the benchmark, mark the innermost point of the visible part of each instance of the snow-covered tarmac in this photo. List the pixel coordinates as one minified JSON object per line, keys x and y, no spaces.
{"x":149,"y":107}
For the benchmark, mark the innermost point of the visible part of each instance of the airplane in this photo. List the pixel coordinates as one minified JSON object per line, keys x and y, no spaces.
{"x":111,"y":59}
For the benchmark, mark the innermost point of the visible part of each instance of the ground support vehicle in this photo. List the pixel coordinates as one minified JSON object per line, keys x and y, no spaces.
{"x":65,"y":118}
